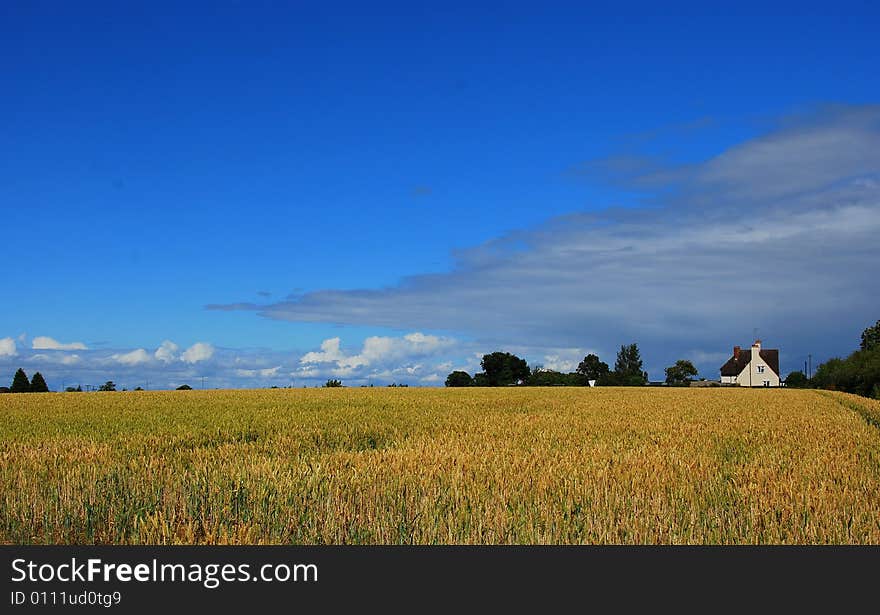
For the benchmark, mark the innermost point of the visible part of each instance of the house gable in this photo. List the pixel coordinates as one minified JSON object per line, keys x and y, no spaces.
{"x":738,"y":369}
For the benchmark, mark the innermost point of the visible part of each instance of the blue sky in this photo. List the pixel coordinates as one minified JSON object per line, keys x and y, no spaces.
{"x":382,"y":171}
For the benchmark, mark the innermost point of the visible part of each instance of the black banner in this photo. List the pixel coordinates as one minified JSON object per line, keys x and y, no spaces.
{"x":396,"y":579}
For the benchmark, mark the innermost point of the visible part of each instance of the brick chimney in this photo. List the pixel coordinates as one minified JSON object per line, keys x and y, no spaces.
{"x":756,"y":353}
{"x":736,"y":351}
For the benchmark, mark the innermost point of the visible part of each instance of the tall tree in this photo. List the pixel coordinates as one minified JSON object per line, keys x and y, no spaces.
{"x":503,"y":368}
{"x":628,"y":367}
{"x":38,"y":383}
{"x":20,"y":383}
{"x":459,"y":379}
{"x":871,"y":337}
{"x":108,"y":386}
{"x":592,"y":368}
{"x":681,"y":373}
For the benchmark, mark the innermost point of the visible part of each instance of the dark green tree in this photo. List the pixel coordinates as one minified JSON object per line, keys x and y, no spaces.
{"x":503,"y":368}
{"x":459,"y":379}
{"x":871,"y":337}
{"x":591,"y":368}
{"x":332,"y":384}
{"x":859,"y":373}
{"x":628,"y":367}
{"x":184,"y":387}
{"x":76,"y":389}
{"x":830,"y":374}
{"x":480,"y":380}
{"x":681,"y":373}
{"x":797,"y":380}
{"x":108,"y":386}
{"x":20,"y":383}
{"x":38,"y":383}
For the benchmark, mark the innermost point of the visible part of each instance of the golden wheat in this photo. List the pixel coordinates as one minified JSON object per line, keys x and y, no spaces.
{"x":576,"y":465}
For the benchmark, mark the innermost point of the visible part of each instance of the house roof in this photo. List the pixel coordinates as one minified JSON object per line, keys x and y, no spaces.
{"x":735,"y":365}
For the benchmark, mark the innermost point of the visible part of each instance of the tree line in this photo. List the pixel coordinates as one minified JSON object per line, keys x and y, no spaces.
{"x":858,"y":373}
{"x":37,"y":384}
{"x":21,"y":384}
{"x":506,"y":369}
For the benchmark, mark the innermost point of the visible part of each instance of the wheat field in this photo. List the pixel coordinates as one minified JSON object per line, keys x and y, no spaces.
{"x":462,"y":466}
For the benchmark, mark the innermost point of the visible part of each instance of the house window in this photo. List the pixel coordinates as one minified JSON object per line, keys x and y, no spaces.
{"x":760,"y":369}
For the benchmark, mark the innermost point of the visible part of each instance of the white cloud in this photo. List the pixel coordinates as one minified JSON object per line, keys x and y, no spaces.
{"x":307,"y":371}
{"x":329,"y":353}
{"x":7,"y":347}
{"x":200,"y":351}
{"x":565,"y":363}
{"x":412,"y":359}
{"x":43,"y":342}
{"x":381,"y":358}
{"x":269,"y":372}
{"x":55,"y":358}
{"x":135,"y":357}
{"x":167,"y":351}
{"x":377,"y":350}
{"x":426,"y":343}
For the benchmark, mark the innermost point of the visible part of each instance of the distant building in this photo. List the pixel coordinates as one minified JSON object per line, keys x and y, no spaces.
{"x":756,"y":367}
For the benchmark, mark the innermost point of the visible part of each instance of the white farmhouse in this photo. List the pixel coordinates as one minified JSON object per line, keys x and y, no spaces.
{"x":756,"y":367}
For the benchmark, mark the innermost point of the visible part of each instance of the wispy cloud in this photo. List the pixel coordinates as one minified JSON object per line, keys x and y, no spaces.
{"x":135,"y":357}
{"x":43,"y":342}
{"x":8,"y":347}
{"x":268,"y":372}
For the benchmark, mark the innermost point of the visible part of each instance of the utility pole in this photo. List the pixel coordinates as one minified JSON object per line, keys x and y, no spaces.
{"x":203,"y":383}
{"x":810,"y":376}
